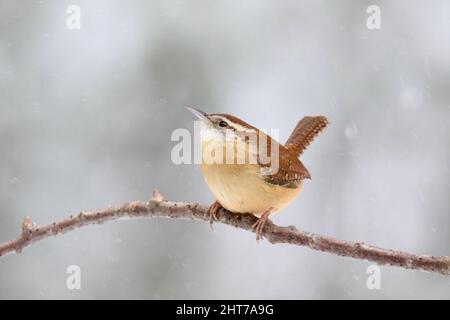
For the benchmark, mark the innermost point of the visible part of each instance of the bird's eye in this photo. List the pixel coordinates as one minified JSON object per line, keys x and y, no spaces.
{"x":223,"y":124}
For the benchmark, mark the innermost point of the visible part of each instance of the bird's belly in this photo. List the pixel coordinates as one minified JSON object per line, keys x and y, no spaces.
{"x":240,"y":188}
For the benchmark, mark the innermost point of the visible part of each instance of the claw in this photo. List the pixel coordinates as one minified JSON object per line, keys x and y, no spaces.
{"x":258,"y":226}
{"x":212,"y":212}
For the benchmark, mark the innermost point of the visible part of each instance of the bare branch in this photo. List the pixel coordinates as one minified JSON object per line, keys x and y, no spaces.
{"x":158,"y":207}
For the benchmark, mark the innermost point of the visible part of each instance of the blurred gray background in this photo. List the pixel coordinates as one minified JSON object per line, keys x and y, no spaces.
{"x":86,"y":117}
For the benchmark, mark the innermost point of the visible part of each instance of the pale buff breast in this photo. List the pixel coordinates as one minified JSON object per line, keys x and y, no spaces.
{"x":240,"y":188}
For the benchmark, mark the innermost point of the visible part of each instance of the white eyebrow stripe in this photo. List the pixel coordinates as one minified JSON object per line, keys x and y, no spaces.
{"x":222,"y":118}
{"x":233,"y":125}
{"x":238,"y":127}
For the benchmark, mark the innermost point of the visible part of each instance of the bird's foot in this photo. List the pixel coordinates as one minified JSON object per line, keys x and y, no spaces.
{"x":258,"y":226}
{"x":212,"y":212}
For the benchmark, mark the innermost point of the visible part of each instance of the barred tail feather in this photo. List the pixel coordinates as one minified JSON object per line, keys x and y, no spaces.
{"x":304,"y":133}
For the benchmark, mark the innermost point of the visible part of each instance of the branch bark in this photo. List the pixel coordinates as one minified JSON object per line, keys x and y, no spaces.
{"x":158,"y":207}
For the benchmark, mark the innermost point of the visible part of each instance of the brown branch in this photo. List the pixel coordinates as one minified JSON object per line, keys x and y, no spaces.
{"x":158,"y":207}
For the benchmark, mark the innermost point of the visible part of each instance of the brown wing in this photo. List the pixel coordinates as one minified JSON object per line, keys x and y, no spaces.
{"x":304,"y":133}
{"x":290,"y":172}
{"x":290,"y":169}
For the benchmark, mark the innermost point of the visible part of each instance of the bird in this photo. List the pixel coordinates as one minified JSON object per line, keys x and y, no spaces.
{"x":233,"y":168}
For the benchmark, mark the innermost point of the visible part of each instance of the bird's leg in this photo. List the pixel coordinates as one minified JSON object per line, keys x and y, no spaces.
{"x":212,"y":211}
{"x":258,"y":226}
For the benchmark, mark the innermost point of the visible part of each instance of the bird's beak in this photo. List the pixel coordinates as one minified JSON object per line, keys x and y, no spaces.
{"x":199,"y":114}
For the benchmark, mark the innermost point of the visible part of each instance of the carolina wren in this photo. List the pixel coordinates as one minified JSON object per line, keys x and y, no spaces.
{"x":244,"y":186}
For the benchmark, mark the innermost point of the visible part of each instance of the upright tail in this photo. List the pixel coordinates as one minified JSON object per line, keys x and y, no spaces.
{"x":304,"y":133}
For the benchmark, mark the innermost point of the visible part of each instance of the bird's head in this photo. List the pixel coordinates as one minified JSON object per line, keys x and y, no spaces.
{"x":221,"y":126}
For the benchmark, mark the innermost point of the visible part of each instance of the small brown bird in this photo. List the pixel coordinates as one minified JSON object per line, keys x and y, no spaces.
{"x":258,"y":187}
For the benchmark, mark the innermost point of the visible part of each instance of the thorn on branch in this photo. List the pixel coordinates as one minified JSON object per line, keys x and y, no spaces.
{"x":156,"y":197}
{"x":28,"y":227}
{"x":81,"y":215}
